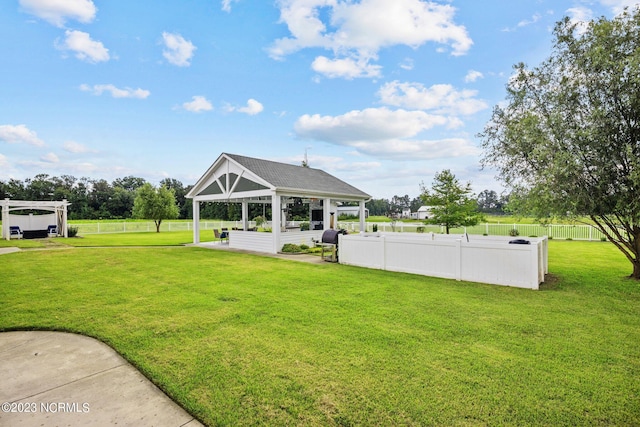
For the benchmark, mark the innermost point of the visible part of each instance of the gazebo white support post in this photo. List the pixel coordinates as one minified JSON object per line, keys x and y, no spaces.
{"x":362,"y":229}
{"x":276,"y":214}
{"x":196,"y":221}
{"x":326,"y":213}
{"x":245,"y":215}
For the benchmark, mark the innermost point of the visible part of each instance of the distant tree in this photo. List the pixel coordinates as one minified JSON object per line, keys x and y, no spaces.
{"x":567,"y":140}
{"x":120,"y":203}
{"x":39,"y":188}
{"x":129,"y":183}
{"x":4,"y":190}
{"x":452,"y":204}
{"x":101,"y":192}
{"x":14,"y":189}
{"x":156,"y":204}
{"x":490,"y":202}
{"x":378,"y":207}
{"x":416,"y":203}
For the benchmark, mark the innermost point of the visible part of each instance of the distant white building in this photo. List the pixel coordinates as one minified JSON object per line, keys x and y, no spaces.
{"x":424,"y":212}
{"x":406,"y":213}
{"x":351,"y":211}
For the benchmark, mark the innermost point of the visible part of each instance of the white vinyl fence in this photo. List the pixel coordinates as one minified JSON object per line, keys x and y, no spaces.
{"x":563,"y":232}
{"x":140,"y":226}
{"x":553,"y":231}
{"x":473,"y":258}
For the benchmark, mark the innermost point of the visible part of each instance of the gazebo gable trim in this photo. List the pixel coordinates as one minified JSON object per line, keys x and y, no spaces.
{"x":225,"y":178}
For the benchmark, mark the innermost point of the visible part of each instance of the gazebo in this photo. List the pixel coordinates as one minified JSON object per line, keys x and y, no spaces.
{"x":34,"y":223}
{"x":239,"y":179}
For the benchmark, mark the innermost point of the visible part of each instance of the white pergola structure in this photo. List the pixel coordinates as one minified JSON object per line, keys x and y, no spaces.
{"x":245,"y":180}
{"x":58,"y":217}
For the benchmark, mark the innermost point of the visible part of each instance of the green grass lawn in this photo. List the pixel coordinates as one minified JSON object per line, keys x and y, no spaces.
{"x":242,"y":339}
{"x":174,"y":238}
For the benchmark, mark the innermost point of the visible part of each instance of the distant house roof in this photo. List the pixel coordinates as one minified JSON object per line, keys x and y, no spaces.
{"x":233,"y":176}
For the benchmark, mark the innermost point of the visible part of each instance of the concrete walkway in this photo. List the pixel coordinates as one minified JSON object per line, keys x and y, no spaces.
{"x":308,"y":258}
{"x":61,"y":379}
{"x":8,"y":250}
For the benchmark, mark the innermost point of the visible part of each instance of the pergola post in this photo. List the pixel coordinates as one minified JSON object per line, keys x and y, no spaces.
{"x":196,"y":221}
{"x":245,"y":215}
{"x":65,"y":231}
{"x":276,"y":215}
{"x":5,"y":220}
{"x":362,"y":229}
{"x":326,"y":213}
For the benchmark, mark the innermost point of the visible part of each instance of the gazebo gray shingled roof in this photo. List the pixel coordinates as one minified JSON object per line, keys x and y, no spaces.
{"x":285,"y":176}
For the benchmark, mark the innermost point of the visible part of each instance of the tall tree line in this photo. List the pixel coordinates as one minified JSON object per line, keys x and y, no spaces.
{"x":489,"y":202}
{"x":100,"y":199}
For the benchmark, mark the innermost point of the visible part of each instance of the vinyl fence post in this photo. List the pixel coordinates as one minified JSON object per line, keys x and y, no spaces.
{"x":458,"y":261}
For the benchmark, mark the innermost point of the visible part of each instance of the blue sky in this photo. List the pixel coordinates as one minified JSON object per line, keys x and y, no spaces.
{"x":383,"y":94}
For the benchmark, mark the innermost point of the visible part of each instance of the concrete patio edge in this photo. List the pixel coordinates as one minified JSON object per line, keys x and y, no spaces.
{"x":58,"y":378}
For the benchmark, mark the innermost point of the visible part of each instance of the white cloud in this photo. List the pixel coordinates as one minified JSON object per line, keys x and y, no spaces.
{"x":75,"y":147}
{"x":84,"y":47}
{"x":4,"y":162}
{"x":526,"y":22}
{"x":367,"y":124}
{"x":358,"y":30}
{"x":253,"y":107}
{"x":50,"y":158}
{"x":472,"y":76}
{"x":617,"y":6}
{"x":407,"y":64}
{"x":226,"y":5}
{"x":348,"y":68}
{"x":441,"y":98}
{"x":116,"y":92}
{"x":178,"y":51}
{"x":198,"y":104}
{"x":384,"y":133}
{"x":15,"y":134}
{"x":56,"y":12}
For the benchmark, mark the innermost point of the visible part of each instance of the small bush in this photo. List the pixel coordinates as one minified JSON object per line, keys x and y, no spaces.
{"x":260,"y":220}
{"x":603,"y":239}
{"x":375,"y":227}
{"x":304,"y":247}
{"x":72,"y":231}
{"x":291,"y":248}
{"x":514,"y":232}
{"x":304,"y":226}
{"x":420,"y":229}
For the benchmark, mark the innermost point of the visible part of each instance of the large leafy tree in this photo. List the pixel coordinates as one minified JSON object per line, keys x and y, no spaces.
{"x":156,"y":204}
{"x":567,"y":141}
{"x":452,"y":203}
